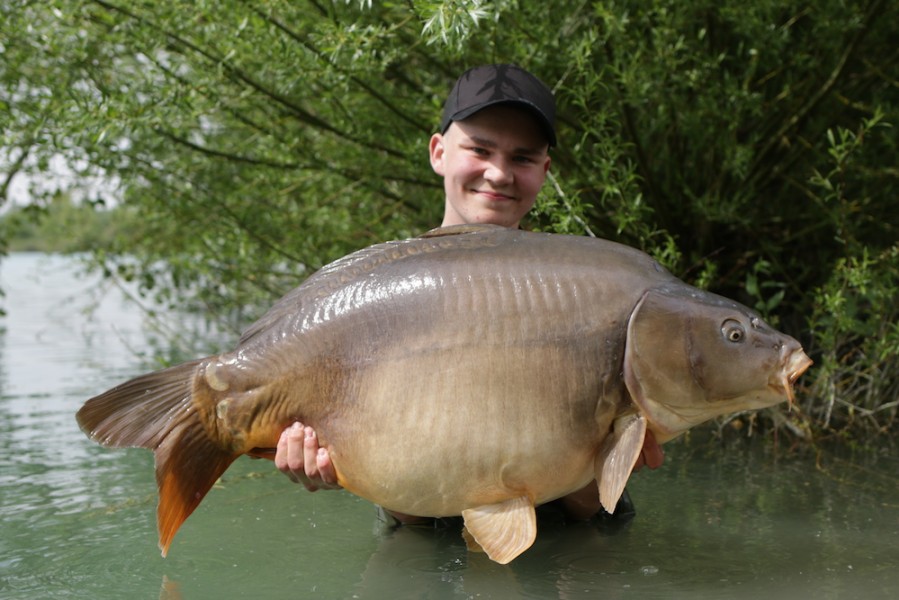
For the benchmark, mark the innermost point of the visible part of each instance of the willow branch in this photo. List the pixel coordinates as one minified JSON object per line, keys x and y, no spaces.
{"x":239,"y":75}
{"x":11,"y":172}
{"x":817,"y":97}
{"x":226,"y":155}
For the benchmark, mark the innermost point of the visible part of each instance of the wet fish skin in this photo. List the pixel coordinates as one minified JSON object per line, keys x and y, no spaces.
{"x":474,"y":371}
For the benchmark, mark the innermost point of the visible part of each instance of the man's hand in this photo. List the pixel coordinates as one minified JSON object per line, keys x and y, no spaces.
{"x":651,"y":455}
{"x":301,"y":458}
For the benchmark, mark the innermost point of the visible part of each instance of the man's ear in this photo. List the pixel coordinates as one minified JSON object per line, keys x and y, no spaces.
{"x":437,"y":149}
{"x":546,"y":164}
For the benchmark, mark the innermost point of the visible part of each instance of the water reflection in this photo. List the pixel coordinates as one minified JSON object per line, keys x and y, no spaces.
{"x":437,"y":559}
{"x":733,"y":526}
{"x":66,"y":335}
{"x":717,"y":520}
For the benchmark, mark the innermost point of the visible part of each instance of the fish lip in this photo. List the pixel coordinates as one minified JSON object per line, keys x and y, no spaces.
{"x":794,"y":365}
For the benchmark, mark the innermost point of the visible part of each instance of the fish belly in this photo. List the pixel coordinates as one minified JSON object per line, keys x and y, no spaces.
{"x":433,"y":433}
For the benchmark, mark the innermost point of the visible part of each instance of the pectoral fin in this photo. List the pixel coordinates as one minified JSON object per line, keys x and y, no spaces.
{"x":502,"y":530}
{"x":616,"y":460}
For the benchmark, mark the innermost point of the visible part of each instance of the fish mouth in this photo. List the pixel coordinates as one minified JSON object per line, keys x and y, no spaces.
{"x":796,"y":363}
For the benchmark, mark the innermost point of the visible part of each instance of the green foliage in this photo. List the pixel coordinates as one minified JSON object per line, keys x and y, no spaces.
{"x":856,"y":325}
{"x":747,"y":146}
{"x":854,"y":312}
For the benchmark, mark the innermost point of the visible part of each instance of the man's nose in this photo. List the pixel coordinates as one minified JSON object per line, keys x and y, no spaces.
{"x":499,"y":172}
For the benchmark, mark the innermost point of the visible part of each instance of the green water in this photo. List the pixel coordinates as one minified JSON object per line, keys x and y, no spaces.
{"x":735,"y":520}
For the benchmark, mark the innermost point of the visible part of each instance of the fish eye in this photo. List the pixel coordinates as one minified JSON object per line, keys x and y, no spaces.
{"x":733,"y":331}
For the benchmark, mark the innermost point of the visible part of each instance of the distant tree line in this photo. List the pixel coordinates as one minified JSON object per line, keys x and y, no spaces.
{"x":63,"y":226}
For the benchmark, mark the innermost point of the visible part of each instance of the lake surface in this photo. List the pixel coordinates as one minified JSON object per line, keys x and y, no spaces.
{"x":742,"y":519}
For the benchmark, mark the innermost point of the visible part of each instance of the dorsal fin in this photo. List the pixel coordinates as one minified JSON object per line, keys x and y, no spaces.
{"x":358,"y":265}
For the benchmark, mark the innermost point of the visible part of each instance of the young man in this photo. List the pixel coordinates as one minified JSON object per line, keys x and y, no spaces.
{"x":493,"y":154}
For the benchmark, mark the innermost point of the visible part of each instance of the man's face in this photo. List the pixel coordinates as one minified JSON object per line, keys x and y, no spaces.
{"x":493,"y":165}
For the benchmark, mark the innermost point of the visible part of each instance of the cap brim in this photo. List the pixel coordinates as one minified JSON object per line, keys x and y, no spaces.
{"x":541,"y":118}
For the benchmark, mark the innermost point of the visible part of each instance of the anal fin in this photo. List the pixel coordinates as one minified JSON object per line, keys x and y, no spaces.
{"x":471,"y":544}
{"x":502,"y":530}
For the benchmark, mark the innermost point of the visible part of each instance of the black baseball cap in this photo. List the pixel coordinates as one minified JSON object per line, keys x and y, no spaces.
{"x":488,"y":85}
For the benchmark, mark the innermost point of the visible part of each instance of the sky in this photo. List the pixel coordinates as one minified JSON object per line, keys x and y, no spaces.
{"x":60,"y":176}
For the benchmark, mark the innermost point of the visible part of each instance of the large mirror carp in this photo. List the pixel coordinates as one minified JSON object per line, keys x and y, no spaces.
{"x":475,"y":371}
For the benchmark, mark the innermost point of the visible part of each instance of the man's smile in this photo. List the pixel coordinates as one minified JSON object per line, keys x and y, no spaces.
{"x":493,"y":195}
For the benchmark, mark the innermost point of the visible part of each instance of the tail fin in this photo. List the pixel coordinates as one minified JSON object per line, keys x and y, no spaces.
{"x":155,"y":411}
